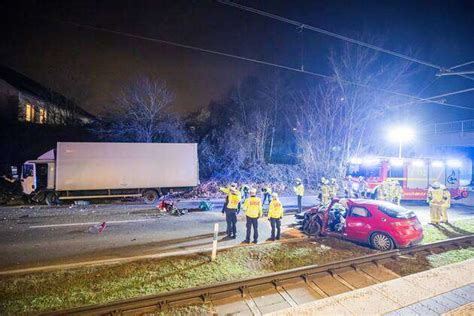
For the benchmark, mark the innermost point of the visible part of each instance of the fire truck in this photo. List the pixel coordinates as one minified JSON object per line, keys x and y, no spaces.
{"x":414,"y":175}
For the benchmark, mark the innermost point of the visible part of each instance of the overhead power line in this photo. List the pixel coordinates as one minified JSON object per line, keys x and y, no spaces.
{"x":445,"y":95}
{"x":257,"y":61}
{"x":335,"y":35}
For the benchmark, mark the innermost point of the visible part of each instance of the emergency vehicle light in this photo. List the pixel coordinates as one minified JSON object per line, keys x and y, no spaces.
{"x":454,"y":163}
{"x":418,"y":163}
{"x":437,"y":163}
{"x":396,"y":162}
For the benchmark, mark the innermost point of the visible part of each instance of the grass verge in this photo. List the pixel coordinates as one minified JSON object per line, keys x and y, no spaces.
{"x":90,"y":285}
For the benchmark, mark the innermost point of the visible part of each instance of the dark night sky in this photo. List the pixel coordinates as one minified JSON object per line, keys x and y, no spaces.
{"x":73,"y":60}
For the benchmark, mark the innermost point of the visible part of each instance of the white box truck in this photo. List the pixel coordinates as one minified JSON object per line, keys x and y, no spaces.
{"x":110,"y":170}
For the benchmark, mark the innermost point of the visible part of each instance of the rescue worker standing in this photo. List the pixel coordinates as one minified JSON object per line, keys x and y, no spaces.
{"x":333,"y":188}
{"x":253,"y":210}
{"x":383,"y":191}
{"x":362,"y":188}
{"x":299,"y":191}
{"x":275,"y":214}
{"x":397,"y":192}
{"x":244,"y":191}
{"x":348,"y":187}
{"x":267,"y":194}
{"x":436,"y":201}
{"x":231,"y":209}
{"x":325,"y":191}
{"x":446,"y":205}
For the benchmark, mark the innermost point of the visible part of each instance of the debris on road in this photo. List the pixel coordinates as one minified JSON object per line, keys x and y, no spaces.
{"x":97,"y":229}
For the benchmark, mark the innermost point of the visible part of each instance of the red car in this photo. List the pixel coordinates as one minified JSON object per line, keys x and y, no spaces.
{"x":381,"y":224}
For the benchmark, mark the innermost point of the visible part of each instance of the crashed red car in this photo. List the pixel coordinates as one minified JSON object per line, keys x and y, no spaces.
{"x":382,"y":225}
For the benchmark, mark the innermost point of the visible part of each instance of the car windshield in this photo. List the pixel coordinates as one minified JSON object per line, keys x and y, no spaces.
{"x":396,"y":211}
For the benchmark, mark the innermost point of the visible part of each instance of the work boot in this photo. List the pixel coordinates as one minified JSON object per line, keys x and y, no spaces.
{"x":271,"y":239}
{"x":278,"y":238}
{"x":233,"y":237}
{"x":246,"y":241}
{"x":255,"y":241}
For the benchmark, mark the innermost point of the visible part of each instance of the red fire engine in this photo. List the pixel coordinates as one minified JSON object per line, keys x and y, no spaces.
{"x":415,"y":175}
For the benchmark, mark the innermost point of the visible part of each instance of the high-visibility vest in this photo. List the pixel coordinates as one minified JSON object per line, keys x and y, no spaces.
{"x":233,"y":200}
{"x":253,"y":207}
{"x":275,"y":209}
{"x":299,"y":189}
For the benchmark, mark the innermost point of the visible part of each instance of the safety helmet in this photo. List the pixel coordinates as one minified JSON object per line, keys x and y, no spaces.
{"x":436,"y":185}
{"x":349,"y":177}
{"x":253,"y":191}
{"x":333,"y":180}
{"x":233,"y":185}
{"x":361,"y":178}
{"x":274,"y":195}
{"x":323,"y":180}
{"x":298,"y":179}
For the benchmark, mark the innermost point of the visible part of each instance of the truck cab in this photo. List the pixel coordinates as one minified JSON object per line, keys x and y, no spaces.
{"x":37,"y":177}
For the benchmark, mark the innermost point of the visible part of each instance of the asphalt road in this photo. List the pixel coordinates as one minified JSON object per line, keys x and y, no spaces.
{"x":40,"y":235}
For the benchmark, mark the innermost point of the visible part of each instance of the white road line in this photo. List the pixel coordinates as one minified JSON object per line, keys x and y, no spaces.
{"x":93,"y":223}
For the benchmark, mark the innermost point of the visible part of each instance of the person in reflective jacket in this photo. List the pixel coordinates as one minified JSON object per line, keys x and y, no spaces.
{"x":275,"y":214}
{"x":299,"y":191}
{"x":253,"y":210}
{"x":231,"y":209}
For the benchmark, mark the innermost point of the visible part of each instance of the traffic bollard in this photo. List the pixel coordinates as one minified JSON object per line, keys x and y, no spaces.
{"x":214,"y":242}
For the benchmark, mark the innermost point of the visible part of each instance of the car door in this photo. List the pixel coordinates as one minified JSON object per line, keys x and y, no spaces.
{"x":358,"y":223}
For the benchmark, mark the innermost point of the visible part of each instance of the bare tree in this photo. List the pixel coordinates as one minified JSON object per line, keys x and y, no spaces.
{"x":337,"y":119}
{"x":144,"y":114}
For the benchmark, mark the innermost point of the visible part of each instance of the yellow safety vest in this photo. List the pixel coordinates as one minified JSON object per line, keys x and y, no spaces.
{"x":275,"y":209}
{"x":253,"y":207}
{"x":334,"y":189}
{"x":233,"y":201}
{"x":435,"y":197}
{"x":299,"y":189}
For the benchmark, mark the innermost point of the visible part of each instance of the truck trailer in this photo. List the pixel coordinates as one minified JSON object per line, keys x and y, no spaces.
{"x":82,"y":171}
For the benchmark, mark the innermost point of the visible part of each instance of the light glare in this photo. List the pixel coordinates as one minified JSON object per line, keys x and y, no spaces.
{"x":454,"y":163}
{"x":437,"y":163}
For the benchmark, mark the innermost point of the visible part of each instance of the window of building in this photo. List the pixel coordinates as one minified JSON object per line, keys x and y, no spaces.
{"x":29,"y":113}
{"x":42,"y":116}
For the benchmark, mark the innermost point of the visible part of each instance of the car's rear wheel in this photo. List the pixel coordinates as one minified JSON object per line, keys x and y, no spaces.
{"x":51,"y":199}
{"x":382,"y":242}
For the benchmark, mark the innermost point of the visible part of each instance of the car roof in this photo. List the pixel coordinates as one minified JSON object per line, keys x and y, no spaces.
{"x":367,"y":202}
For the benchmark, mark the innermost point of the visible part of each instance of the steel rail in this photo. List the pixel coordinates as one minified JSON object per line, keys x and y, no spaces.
{"x":203,"y":293}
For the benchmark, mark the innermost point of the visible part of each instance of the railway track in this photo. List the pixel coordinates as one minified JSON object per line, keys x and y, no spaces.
{"x":275,"y":291}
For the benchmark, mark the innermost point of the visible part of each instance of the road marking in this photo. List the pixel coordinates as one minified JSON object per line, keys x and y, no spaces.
{"x":93,"y":223}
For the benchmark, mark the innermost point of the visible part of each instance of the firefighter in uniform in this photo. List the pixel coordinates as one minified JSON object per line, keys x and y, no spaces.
{"x":436,"y":201}
{"x":267,"y":194}
{"x":348,"y":187}
{"x":253,"y":210}
{"x":362,"y":188}
{"x":383,"y":192}
{"x":231,"y":209}
{"x":325,"y":191}
{"x":275,"y":214}
{"x":446,"y":204}
{"x":299,"y":191}
{"x":397,"y":192}
{"x":333,"y":188}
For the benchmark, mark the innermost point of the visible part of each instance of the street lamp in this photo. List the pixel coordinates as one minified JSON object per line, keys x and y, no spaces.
{"x":401,"y":135}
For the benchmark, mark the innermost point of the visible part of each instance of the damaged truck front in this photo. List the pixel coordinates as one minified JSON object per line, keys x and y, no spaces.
{"x":82,"y":171}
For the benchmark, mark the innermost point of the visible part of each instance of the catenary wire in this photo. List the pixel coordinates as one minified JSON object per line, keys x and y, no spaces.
{"x":257,"y":61}
{"x":335,"y":35}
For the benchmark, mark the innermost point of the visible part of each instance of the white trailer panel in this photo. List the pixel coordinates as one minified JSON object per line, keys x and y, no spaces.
{"x":98,"y":166}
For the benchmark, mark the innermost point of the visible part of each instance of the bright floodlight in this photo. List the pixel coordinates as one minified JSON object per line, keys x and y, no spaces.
{"x":370,"y":161}
{"x":454,"y":163}
{"x":401,"y":135}
{"x":437,"y":163}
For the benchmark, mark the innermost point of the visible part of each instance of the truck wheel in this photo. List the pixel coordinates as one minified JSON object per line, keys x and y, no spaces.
{"x":51,"y":199}
{"x":381,"y":242}
{"x":150,"y":196}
